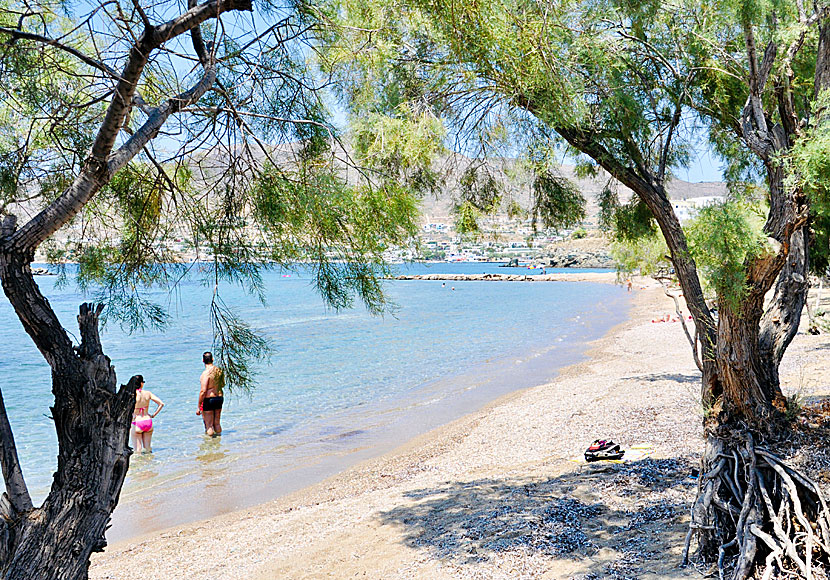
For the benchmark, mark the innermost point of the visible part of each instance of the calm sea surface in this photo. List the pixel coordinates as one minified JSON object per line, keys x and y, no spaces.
{"x":340,"y":387}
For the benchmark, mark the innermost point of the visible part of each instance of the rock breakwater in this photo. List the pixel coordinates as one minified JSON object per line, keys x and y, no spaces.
{"x":578,"y":258}
{"x":602,"y":277}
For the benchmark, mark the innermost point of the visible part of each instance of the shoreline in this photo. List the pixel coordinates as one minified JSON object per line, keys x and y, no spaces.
{"x":516,"y":435}
{"x":327,"y":447}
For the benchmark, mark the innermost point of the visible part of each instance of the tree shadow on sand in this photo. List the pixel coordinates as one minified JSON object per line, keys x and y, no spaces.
{"x":673,"y":377}
{"x":606,"y":520}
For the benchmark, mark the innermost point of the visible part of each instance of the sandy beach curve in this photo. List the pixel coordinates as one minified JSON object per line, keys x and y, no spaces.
{"x":500,"y":493}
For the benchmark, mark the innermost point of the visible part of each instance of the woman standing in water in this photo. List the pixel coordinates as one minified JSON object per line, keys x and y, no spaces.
{"x":142,"y":431}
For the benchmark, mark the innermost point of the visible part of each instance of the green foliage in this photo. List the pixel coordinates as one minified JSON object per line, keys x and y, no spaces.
{"x":633,"y":221}
{"x":578,"y":234}
{"x":516,"y":211}
{"x":140,"y":193}
{"x":557,"y":203}
{"x":613,"y":78}
{"x":645,"y":256}
{"x":608,"y":202}
{"x":44,"y":133}
{"x":809,"y":164}
{"x":236,"y":346}
{"x":341,"y":230}
{"x":480,"y":188}
{"x":628,"y":222}
{"x":467,"y":218}
{"x":253,"y":174}
{"x":402,"y":147}
{"x":723,"y":239}
{"x":411,"y":61}
{"x":794,"y":406}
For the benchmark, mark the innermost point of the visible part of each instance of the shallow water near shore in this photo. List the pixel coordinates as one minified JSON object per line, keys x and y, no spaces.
{"x":340,"y":387}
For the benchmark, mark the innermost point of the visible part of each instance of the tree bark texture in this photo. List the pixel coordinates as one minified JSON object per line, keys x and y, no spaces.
{"x":823,"y":58}
{"x":92,"y":420}
{"x":746,"y":392}
{"x":779,"y":324}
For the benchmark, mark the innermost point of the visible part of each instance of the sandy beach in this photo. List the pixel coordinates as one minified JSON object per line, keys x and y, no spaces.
{"x":500,"y":493}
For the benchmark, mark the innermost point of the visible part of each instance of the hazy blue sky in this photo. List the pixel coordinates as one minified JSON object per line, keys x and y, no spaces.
{"x":703,"y":168}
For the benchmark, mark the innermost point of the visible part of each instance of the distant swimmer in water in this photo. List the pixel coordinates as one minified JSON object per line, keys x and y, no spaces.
{"x":142,"y":430}
{"x":211,"y":396}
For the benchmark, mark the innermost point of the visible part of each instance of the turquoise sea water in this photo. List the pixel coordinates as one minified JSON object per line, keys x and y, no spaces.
{"x":339,"y":387}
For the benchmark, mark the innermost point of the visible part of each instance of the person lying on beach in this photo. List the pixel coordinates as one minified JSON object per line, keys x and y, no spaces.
{"x":142,"y":429}
{"x":211,"y":396}
{"x":666,"y":318}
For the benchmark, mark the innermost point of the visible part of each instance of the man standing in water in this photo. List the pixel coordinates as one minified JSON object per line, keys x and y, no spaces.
{"x":211,"y":396}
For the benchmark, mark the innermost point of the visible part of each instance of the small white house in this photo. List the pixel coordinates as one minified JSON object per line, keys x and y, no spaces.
{"x":686,"y":209}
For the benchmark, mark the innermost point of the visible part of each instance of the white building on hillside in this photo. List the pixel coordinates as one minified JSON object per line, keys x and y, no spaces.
{"x":686,"y":209}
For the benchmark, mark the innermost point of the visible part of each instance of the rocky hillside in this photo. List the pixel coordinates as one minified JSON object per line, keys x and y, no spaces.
{"x":589,"y":252}
{"x":439,"y":208}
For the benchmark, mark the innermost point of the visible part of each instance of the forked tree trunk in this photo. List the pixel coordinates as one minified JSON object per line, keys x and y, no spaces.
{"x":750,"y":389}
{"x":781,"y":319}
{"x":753,"y":511}
{"x":92,"y":419}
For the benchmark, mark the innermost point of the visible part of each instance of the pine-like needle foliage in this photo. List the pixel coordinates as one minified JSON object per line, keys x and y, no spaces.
{"x":249,"y":176}
{"x":723,"y":238}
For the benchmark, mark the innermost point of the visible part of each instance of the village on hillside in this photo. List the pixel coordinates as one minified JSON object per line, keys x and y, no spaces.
{"x":501,"y":238}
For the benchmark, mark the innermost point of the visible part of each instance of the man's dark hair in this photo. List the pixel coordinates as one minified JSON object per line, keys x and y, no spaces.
{"x":207,"y":358}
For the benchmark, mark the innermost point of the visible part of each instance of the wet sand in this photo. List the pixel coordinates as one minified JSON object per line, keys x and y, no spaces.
{"x":500,"y":493}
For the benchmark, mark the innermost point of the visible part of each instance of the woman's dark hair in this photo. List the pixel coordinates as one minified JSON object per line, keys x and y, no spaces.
{"x":139,"y":378}
{"x":207,"y":358}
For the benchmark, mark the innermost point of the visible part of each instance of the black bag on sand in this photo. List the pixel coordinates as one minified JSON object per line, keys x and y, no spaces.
{"x":602,"y":449}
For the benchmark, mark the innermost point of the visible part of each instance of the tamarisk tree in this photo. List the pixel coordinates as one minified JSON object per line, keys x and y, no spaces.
{"x":122,"y":126}
{"x":628,"y":87}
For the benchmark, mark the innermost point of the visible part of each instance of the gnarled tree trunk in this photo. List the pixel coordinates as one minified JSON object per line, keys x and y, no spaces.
{"x":92,"y":420}
{"x":742,"y":495}
{"x":781,"y":319}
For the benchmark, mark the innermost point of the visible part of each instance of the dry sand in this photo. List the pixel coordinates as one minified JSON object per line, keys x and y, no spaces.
{"x":500,"y":493}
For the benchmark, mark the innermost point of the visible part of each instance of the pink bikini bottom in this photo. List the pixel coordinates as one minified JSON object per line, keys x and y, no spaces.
{"x":143,"y":425}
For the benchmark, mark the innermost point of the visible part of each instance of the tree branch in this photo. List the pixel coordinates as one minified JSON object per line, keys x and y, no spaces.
{"x":157,"y":118}
{"x":664,"y":154}
{"x":780,"y":321}
{"x":680,"y":315}
{"x":197,"y":40}
{"x":98,"y":168}
{"x":12,"y":473}
{"x":32,"y":308}
{"x":141,"y":14}
{"x":753,"y":121}
{"x":21,"y":35}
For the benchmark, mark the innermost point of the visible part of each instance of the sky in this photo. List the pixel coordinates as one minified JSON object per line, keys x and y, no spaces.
{"x":703,"y":168}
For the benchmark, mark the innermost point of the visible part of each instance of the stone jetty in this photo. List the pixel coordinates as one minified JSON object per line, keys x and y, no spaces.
{"x":602,"y":277}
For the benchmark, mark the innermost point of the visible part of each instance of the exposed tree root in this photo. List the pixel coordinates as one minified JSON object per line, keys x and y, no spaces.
{"x":753,"y":512}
